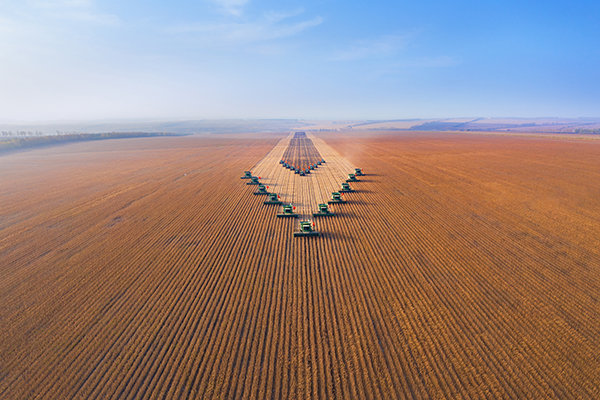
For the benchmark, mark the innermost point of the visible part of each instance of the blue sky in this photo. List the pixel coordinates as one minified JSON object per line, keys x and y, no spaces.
{"x":321,"y":59}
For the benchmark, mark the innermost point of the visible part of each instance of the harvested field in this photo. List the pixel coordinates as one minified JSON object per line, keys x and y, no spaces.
{"x":466,"y":266}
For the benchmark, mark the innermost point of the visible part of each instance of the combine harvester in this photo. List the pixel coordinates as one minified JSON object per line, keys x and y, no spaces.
{"x":273,"y":199}
{"x":323,"y":211}
{"x":336,"y":198}
{"x":253,"y":181}
{"x":306,"y":229}
{"x":247,"y":175}
{"x":288,"y":212}
{"x":346,"y":188}
{"x":262,"y":189}
{"x":358,"y":172}
{"x":352,"y":178}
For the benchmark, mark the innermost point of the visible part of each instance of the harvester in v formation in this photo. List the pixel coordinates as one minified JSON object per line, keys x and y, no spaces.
{"x":254,"y":181}
{"x":262,"y":190}
{"x":288,"y":212}
{"x":323,"y":211}
{"x":273,"y":199}
{"x":336,"y":198}
{"x":346,"y":188}
{"x":352,"y":178}
{"x":306,"y":229}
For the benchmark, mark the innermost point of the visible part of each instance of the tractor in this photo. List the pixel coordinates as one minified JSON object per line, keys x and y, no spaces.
{"x":306,"y":229}
{"x":336,"y":198}
{"x":288,"y":212}
{"x":273,"y":199}
{"x":323,"y":211}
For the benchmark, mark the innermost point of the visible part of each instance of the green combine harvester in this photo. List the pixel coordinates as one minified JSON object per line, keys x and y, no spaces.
{"x":288,"y":212}
{"x":323,"y":211}
{"x":273,"y":199}
{"x":253,"y":181}
{"x":262,"y":189}
{"x":352,"y":178}
{"x":336,"y":198}
{"x":247,"y":175}
{"x":306,"y":230}
{"x":358,"y":172}
{"x":346,"y":188}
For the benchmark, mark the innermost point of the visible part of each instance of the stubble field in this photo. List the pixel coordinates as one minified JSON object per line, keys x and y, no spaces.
{"x":463,"y":267}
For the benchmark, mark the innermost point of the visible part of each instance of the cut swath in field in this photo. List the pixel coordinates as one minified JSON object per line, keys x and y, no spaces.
{"x":300,"y":151}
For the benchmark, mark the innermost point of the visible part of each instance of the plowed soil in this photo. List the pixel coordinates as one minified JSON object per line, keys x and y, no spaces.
{"x":464,"y":267}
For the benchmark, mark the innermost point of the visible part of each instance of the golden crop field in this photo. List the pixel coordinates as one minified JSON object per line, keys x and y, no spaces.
{"x":464,"y":266}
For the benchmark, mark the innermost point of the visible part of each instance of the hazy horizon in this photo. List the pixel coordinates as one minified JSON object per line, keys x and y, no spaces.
{"x":98,"y":61}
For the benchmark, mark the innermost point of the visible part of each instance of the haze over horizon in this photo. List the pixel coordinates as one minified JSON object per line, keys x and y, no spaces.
{"x":81,"y":60}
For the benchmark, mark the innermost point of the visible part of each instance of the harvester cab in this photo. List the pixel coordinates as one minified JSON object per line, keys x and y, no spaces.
{"x":307,"y":171}
{"x":262,"y":189}
{"x":302,"y":173}
{"x":281,"y":162}
{"x":296,"y":170}
{"x":358,"y":172}
{"x":323,"y":211}
{"x":306,"y":229}
{"x":254,"y":181}
{"x":312,"y":166}
{"x":336,"y":198}
{"x":318,"y":162}
{"x":247,"y":175}
{"x":346,"y":188}
{"x":288,"y":212}
{"x":273,"y":199}
{"x":352,"y":178}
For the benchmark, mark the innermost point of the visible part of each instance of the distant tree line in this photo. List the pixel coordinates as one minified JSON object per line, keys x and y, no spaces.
{"x":588,"y":131}
{"x":26,"y":142}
